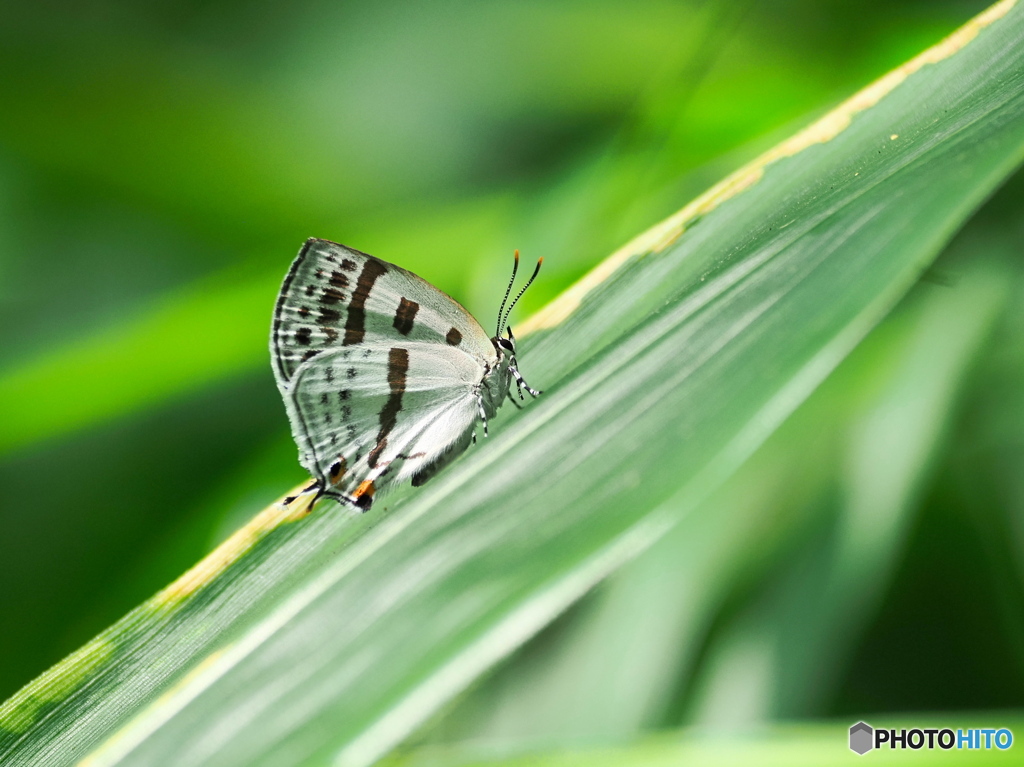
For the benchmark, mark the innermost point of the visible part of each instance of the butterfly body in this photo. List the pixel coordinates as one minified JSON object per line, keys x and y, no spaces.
{"x":384,"y":377}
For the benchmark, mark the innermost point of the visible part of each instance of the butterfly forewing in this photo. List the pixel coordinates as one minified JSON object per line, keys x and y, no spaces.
{"x":378,"y":370}
{"x":335,"y":296}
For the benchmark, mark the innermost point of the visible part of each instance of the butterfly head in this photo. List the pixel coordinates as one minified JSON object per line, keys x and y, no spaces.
{"x":506,"y":346}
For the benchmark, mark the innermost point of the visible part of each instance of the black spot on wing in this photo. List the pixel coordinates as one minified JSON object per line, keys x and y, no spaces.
{"x":355,"y":323}
{"x":405,"y":315}
{"x":332,"y":296}
{"x":454,"y":337}
{"x":337,"y":470}
{"x":304,"y":336}
{"x":328,"y":316}
{"x":363,"y":496}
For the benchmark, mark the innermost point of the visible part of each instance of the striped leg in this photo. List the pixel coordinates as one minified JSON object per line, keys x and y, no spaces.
{"x":313,"y":485}
{"x":521,"y":384}
{"x":483,"y":413}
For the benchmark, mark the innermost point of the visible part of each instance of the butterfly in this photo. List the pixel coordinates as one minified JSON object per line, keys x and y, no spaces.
{"x":384,"y":377}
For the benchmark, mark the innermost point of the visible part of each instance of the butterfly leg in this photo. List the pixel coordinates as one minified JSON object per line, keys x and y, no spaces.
{"x":513,"y":399}
{"x":314,"y":485}
{"x":303,"y":491}
{"x":483,"y":413}
{"x":521,"y":384}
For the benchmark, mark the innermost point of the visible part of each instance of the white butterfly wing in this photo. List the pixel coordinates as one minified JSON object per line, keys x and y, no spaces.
{"x":334,"y":296}
{"x":377,"y":368}
{"x":375,"y":414}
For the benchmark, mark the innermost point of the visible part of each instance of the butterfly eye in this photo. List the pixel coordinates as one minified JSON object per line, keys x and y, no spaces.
{"x":504,"y":343}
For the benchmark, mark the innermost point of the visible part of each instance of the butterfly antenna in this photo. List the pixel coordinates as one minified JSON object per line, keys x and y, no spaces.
{"x":515,"y":268}
{"x":529,"y":282}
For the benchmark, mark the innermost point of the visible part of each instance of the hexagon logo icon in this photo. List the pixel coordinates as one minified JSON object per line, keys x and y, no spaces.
{"x":862,"y":738}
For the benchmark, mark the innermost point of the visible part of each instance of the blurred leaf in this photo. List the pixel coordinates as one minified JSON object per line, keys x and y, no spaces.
{"x":889,"y":457}
{"x":781,"y":656}
{"x":816,"y":745}
{"x":333,"y":636}
{"x":333,"y":109}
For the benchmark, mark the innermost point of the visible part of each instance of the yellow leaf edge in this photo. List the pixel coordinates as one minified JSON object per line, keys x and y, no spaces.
{"x":19,"y":712}
{"x":661,"y":235}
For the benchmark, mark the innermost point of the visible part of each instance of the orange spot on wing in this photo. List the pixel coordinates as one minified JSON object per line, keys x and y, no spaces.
{"x":363,"y":495}
{"x":337,"y":471}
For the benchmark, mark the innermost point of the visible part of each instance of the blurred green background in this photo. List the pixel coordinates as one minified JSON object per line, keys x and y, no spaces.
{"x":161,"y":163}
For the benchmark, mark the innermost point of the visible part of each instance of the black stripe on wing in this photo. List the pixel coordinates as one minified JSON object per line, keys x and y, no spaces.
{"x":355,"y":324}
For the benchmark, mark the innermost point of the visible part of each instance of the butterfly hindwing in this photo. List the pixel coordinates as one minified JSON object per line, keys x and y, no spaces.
{"x":375,"y":413}
{"x":335,"y":296}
